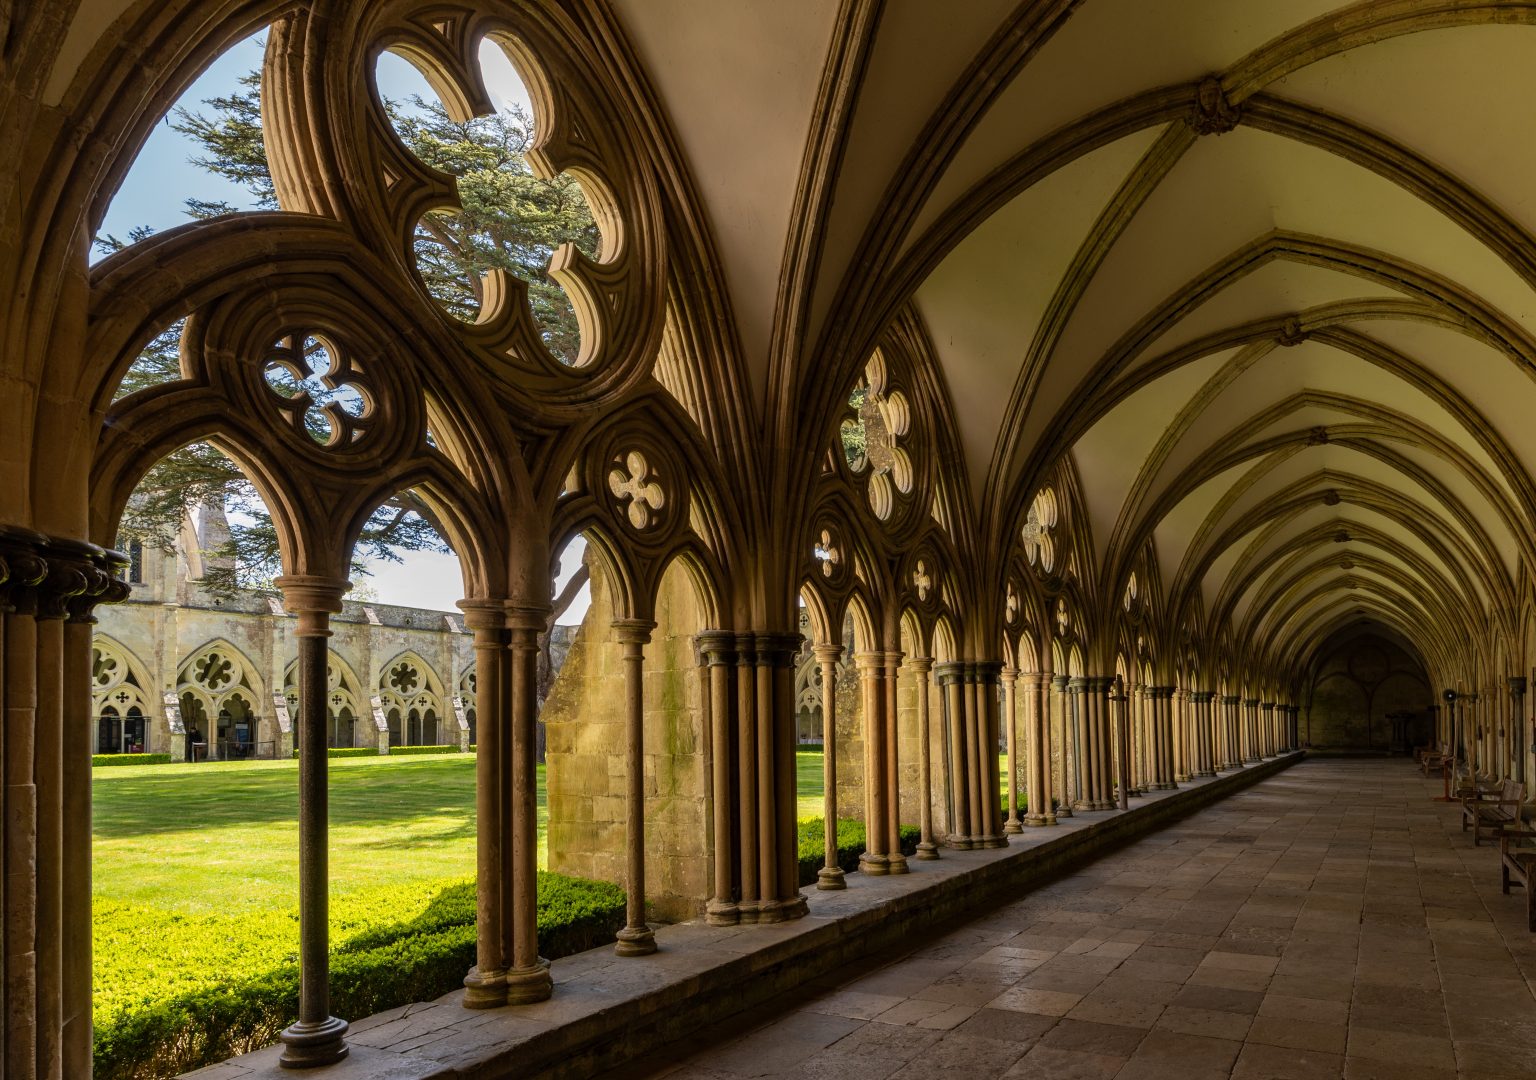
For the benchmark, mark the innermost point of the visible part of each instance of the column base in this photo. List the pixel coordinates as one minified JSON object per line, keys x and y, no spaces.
{"x":1082,"y":806}
{"x":485,"y":990}
{"x":874,"y":865}
{"x":635,"y":941}
{"x":1205,"y":774}
{"x":308,"y":1046}
{"x":1011,"y":827}
{"x":775,"y":911}
{"x":1183,"y":779}
{"x":896,"y":863}
{"x":926,"y":851}
{"x":1036,"y":820}
{"x":831,"y":877}
{"x":960,"y":843}
{"x":992,"y":842}
{"x":1063,"y":811}
{"x":721,"y":913}
{"x":1103,"y":805}
{"x":528,"y":985}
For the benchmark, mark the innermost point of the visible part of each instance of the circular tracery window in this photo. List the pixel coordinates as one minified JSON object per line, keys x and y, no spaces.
{"x":872,"y":436}
{"x":1039,"y":545}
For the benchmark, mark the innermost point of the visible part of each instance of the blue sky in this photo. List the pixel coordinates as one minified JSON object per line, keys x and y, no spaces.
{"x":163,"y":177}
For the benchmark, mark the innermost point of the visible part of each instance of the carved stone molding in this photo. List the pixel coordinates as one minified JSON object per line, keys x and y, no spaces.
{"x":56,"y":577}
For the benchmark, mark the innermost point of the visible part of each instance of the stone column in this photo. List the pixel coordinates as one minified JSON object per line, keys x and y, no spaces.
{"x":317,"y":1038}
{"x":1516,"y":729}
{"x":1183,"y":769}
{"x":949,"y":676}
{"x":1121,"y":719}
{"x":1101,"y":732}
{"x":922,"y":669}
{"x":1077,"y":689}
{"x":719,"y":651}
{"x":1248,"y":733}
{"x":776,"y":656}
{"x":1267,"y":726}
{"x":1010,"y":677}
{"x":636,"y":938}
{"x":1138,"y":709}
{"x":1162,"y":716}
{"x":896,"y":861}
{"x":986,"y":675}
{"x":1061,"y":720}
{"x":485,"y":987}
{"x":983,"y":755}
{"x":746,"y":776}
{"x":527,"y":978}
{"x":1037,"y":754}
{"x":871,"y":667}
{"x":830,"y":876}
{"x":1205,"y":745}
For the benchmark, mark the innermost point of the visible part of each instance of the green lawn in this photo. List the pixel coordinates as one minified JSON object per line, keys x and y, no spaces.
{"x":216,"y":837}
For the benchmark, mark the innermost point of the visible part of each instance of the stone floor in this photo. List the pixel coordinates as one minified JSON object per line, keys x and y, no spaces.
{"x":1331,"y":921}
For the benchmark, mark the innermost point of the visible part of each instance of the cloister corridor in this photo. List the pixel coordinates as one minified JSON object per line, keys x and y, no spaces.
{"x":1330,"y":921}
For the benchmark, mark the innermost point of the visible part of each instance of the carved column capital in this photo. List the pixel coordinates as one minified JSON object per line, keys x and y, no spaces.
{"x":633,"y":631}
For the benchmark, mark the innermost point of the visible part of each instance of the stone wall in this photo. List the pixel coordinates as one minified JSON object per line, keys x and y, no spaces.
{"x":1356,"y":686}
{"x":586,"y":767}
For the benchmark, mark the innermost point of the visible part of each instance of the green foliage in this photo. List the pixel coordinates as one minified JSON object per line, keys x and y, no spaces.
{"x":149,"y":1026}
{"x":510,"y":220}
{"x":405,"y":751}
{"x":850,"y":844}
{"x":100,"y":760}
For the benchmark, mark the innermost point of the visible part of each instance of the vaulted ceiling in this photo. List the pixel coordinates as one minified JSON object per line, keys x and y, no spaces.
{"x":1262,"y":270}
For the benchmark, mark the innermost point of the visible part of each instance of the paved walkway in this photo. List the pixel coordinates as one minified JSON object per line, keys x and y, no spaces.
{"x":1332,"y":921}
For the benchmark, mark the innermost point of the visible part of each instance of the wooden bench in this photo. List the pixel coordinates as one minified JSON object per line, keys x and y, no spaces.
{"x":1519,"y":866}
{"x":1431,"y":758}
{"x":1486,"y":810}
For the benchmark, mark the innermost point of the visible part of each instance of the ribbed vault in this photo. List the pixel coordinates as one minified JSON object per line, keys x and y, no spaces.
{"x":1259,"y":274}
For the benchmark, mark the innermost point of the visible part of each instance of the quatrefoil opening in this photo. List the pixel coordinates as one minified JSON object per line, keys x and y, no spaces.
{"x":828,"y":554}
{"x":633,"y":482}
{"x":871,"y":437}
{"x":321,"y":392}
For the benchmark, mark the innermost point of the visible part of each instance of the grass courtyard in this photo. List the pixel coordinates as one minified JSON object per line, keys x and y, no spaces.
{"x":195,"y":871}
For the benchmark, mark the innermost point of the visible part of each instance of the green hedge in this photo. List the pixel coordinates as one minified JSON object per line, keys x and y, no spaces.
{"x":100,"y":760}
{"x":396,"y":751}
{"x":348,"y":751}
{"x":850,"y":844}
{"x":153,"y":1032}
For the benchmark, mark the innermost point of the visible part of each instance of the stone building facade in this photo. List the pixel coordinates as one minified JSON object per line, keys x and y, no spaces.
{"x":227,"y":660}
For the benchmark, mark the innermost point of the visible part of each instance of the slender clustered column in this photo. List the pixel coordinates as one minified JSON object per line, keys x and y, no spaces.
{"x":485,"y":986}
{"x":922,"y":669}
{"x":959,"y":827}
{"x":527,"y":978}
{"x":896,"y":861}
{"x":830,"y":876}
{"x":1010,"y":677}
{"x":872,"y":687}
{"x":718,"y":649}
{"x":1035,"y":753}
{"x":1060,"y":720}
{"x":317,"y":1038}
{"x":1120,"y":718}
{"x":636,"y":939}
{"x":1078,"y":742}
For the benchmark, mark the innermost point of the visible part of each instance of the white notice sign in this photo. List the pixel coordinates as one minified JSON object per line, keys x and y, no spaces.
{"x":173,"y":713}
{"x":378,"y":713}
{"x":280,"y":710}
{"x":458,"y":711}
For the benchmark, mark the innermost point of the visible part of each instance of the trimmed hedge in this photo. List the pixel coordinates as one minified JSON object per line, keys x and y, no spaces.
{"x":394,"y":751}
{"x":101,"y":760}
{"x":347,"y":751}
{"x":397,"y":751}
{"x":159,"y":1030}
{"x":850,"y":844}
